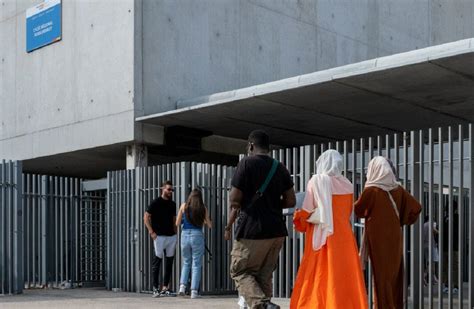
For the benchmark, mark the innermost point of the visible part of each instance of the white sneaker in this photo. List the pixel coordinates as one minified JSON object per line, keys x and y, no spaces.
{"x":242,"y":303}
{"x":194,"y":294}
{"x":156,"y":293}
{"x":182,"y":290}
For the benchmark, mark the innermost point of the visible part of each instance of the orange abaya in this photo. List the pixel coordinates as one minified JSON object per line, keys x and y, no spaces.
{"x":332,"y":276}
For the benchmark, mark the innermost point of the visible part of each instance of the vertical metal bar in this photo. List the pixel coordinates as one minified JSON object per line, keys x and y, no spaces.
{"x":18,"y":227}
{"x":34,"y":229}
{"x":77,"y":232}
{"x":108,"y":228}
{"x":354,"y":177}
{"x":26,"y":203}
{"x":2,"y":227}
{"x":44,"y":228}
{"x":67,"y":202}
{"x":387,"y":146}
{"x":430,"y":218}
{"x":127,"y":230}
{"x":118,"y":231}
{"x":470,"y":291}
{"x":138,"y":225}
{"x":440,"y":218}
{"x":421,"y":186}
{"x":396,"y":157}
{"x":461,"y":215}
{"x":83,"y":238}
{"x":450,"y":216}
{"x":8,"y":225}
{"x":415,"y":235}
{"x":379,"y":145}
{"x":419,"y":224}
{"x":405,"y":229}
{"x":53,"y":193}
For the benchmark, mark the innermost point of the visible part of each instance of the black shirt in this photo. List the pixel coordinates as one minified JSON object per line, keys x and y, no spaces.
{"x":264,"y":219}
{"x":162,"y":213}
{"x":455,"y":235}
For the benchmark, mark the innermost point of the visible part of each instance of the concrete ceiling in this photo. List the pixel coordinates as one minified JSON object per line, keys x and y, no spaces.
{"x":424,"y":88}
{"x":94,"y":163}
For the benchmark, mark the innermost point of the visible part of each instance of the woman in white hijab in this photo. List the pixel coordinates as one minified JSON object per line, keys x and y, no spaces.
{"x":330,"y":275}
{"x":386,"y":207}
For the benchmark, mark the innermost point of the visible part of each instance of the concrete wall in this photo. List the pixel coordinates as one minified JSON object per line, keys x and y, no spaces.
{"x":119,"y":59}
{"x":196,"y":48}
{"x":74,"y":94}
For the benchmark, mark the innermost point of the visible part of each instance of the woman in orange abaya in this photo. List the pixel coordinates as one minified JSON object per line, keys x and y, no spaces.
{"x":330,"y":275}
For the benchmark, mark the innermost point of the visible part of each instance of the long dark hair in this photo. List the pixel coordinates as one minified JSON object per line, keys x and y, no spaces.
{"x":195,"y":210}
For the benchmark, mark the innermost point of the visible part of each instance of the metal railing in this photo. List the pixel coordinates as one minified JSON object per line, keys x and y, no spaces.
{"x":11,"y":238}
{"x":52,"y":232}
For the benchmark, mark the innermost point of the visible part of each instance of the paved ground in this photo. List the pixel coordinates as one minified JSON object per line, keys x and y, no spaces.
{"x":100,"y":298}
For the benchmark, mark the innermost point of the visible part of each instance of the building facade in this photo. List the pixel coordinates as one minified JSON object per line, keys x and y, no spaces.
{"x":70,"y":108}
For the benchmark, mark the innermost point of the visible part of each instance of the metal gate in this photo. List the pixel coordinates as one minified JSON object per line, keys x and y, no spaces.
{"x":11,"y":238}
{"x":93,"y":238}
{"x":64,"y":245}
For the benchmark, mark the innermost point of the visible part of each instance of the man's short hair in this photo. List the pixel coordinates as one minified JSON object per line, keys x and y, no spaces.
{"x":260,"y":139}
{"x":166,"y":183}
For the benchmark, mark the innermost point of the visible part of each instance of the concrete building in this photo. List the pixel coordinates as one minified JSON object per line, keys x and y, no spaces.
{"x":159,"y":81}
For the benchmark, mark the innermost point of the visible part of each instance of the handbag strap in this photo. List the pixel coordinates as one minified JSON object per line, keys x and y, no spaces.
{"x":272,"y":171}
{"x":265,"y":184}
{"x":393,"y":205}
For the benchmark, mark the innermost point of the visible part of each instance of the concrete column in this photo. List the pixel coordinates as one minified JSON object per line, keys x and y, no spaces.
{"x":137,"y":156}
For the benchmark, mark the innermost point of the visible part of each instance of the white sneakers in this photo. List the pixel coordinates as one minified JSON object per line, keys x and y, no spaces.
{"x":182,"y":290}
{"x":194,"y":294}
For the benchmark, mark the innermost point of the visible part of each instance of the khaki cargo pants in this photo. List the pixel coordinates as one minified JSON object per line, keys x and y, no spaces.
{"x":252,"y":264}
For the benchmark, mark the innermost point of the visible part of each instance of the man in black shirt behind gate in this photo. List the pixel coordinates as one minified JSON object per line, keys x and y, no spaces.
{"x":159,"y":219}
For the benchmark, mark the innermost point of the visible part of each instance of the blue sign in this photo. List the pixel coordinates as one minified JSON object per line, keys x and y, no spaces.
{"x":43,"y":24}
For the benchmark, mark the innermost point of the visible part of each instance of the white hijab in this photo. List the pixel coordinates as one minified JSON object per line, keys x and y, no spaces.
{"x":327,"y":181}
{"x":380,"y":175}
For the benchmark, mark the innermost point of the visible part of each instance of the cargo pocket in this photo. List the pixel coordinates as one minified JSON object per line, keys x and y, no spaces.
{"x":239,"y":260}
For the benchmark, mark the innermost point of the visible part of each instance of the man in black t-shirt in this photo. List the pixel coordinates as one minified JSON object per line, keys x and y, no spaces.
{"x":159,"y":219}
{"x":261,"y":228}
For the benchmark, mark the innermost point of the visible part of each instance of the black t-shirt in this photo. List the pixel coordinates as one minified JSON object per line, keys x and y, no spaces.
{"x":264,"y":219}
{"x":162,"y":213}
{"x":455,"y":235}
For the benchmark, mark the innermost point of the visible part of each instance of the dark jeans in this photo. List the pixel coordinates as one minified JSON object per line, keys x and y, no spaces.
{"x":156,"y":267}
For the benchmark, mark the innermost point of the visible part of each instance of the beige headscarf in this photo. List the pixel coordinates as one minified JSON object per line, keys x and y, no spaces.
{"x":327,"y":181}
{"x":380,"y":175}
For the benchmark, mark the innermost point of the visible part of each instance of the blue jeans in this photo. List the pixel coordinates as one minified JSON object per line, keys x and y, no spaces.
{"x":192,"y":250}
